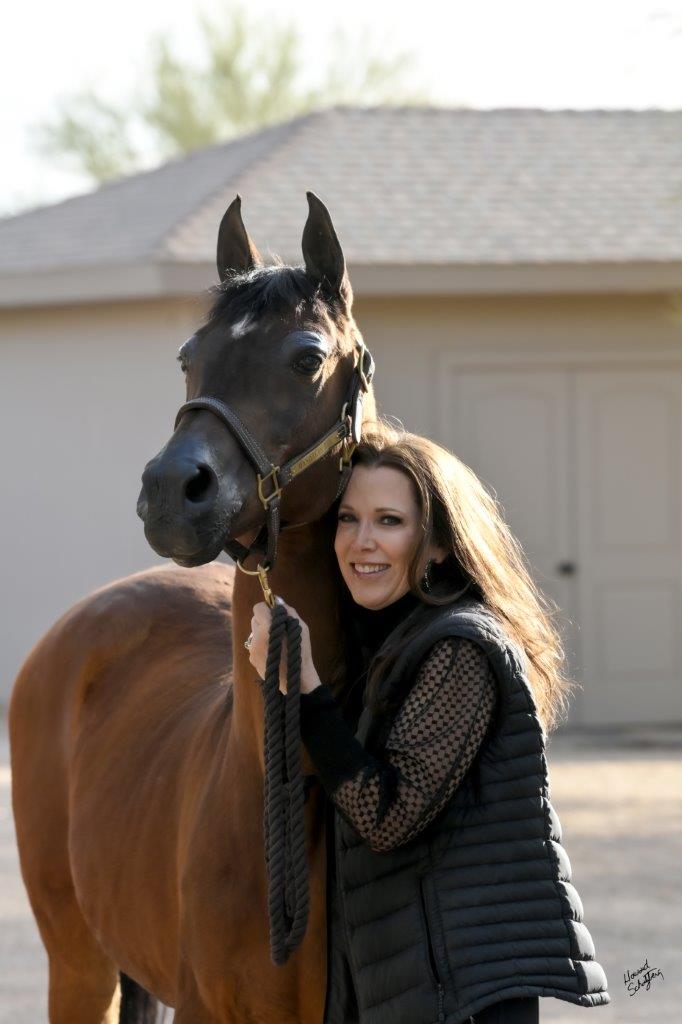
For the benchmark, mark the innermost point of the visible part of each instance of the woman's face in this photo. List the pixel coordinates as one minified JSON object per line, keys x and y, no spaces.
{"x":377,"y":531}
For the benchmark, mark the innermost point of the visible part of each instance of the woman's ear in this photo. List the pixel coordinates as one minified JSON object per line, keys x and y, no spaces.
{"x":438,"y":554}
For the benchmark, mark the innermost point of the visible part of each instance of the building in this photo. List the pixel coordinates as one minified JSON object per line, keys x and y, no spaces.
{"x":518,"y":277}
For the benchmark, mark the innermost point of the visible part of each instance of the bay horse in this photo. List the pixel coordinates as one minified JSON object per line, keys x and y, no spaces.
{"x":136,"y":743}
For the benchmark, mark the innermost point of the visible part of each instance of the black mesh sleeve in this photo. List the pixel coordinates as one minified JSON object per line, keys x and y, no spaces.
{"x":433,"y":740}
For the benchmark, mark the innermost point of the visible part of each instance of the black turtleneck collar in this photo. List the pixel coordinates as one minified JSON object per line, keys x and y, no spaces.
{"x":364,"y":632}
{"x":375,"y":625}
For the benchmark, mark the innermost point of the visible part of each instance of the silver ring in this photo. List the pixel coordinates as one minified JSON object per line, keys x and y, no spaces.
{"x":248,"y":641}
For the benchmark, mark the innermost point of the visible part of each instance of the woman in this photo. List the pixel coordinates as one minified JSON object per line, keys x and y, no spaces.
{"x":449,"y":892}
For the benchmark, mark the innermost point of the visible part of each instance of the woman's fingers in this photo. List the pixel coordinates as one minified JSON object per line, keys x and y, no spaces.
{"x":260,"y":628}
{"x":261,"y":612}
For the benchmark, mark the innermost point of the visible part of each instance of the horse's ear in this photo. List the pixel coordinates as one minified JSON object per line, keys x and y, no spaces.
{"x":236,"y":251}
{"x":322,"y":253}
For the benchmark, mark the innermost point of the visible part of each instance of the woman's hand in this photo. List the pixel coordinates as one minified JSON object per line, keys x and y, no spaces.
{"x":258,"y":651}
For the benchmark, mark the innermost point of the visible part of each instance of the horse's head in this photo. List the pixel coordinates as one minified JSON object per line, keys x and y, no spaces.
{"x":278,"y":347}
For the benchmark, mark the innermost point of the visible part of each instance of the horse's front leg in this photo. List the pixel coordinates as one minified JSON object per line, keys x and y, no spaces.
{"x":190,"y":1008}
{"x":83,"y":982}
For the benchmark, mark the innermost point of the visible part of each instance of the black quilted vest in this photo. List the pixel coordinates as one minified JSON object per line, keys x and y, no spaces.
{"x":479,"y":907}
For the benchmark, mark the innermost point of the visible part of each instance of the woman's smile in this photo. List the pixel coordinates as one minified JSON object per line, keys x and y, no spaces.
{"x":368,"y":569}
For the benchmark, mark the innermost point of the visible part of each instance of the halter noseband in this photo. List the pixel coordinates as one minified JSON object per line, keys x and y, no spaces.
{"x":273,"y":479}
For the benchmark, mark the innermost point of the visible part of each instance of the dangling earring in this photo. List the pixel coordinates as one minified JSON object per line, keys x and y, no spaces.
{"x":426,"y":578}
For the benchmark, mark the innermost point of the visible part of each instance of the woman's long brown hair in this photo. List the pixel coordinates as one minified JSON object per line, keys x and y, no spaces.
{"x":458,"y":514}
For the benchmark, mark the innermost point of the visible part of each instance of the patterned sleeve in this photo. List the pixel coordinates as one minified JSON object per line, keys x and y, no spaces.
{"x":432,"y":742}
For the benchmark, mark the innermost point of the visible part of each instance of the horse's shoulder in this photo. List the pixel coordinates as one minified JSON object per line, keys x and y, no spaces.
{"x":171,"y":586}
{"x":161,"y":605}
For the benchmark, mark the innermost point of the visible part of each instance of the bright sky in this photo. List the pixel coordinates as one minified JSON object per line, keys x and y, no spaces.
{"x":483,"y":53}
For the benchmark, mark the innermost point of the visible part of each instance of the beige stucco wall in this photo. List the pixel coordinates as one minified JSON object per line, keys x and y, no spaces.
{"x":89,"y":393}
{"x":408,"y":336}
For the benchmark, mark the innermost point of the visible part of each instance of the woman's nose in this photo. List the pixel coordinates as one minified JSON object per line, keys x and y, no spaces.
{"x":364,"y":538}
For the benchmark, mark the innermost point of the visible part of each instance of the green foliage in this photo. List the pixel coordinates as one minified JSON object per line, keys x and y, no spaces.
{"x":93,"y":131}
{"x":251,"y":77}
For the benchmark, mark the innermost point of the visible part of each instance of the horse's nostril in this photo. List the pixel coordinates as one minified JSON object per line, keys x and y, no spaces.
{"x":198,"y":488}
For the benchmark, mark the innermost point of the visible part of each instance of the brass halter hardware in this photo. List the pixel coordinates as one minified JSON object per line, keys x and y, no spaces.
{"x":349,"y":447}
{"x":365,"y":380}
{"x":275,"y":493}
{"x":262,"y":574}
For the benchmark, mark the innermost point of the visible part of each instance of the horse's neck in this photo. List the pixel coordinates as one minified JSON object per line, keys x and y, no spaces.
{"x":305,"y":576}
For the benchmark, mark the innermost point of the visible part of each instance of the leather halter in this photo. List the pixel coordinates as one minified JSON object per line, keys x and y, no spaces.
{"x":271,"y":478}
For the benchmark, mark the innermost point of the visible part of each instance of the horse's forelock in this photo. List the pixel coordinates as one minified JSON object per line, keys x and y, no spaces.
{"x":276,"y":289}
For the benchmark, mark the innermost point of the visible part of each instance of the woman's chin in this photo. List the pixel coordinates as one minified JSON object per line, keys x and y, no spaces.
{"x":373,"y":600}
{"x":369,"y":604}
{"x":367,"y":595}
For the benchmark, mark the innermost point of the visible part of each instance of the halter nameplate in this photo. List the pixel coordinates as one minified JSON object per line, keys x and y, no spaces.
{"x":292,"y":469}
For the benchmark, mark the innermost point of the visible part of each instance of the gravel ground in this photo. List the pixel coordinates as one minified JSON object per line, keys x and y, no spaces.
{"x":619,"y":798}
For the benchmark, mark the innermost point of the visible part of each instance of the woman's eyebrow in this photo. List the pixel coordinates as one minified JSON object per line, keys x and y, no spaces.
{"x":383,"y":508}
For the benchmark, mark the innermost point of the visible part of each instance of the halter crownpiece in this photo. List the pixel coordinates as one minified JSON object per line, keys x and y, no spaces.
{"x":272,"y":479}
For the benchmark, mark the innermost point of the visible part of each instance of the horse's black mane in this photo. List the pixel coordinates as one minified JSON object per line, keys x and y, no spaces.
{"x":278,"y":289}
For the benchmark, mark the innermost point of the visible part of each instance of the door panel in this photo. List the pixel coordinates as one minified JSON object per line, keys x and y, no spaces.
{"x":512,"y":428}
{"x":629,"y":458}
{"x":587,"y":465}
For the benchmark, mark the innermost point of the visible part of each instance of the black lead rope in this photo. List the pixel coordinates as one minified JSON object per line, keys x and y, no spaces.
{"x":284,"y":798}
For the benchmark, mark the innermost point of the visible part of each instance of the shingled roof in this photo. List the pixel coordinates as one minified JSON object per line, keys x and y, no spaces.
{"x":406,"y":187}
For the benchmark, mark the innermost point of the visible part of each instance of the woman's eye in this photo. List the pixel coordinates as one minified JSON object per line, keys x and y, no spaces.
{"x":309,"y":363}
{"x":388,"y":520}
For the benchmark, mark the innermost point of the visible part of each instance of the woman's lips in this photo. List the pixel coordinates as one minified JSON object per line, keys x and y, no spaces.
{"x":370,"y":574}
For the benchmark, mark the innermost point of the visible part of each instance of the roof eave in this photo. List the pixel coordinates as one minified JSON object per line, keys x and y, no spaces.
{"x":128,"y":282}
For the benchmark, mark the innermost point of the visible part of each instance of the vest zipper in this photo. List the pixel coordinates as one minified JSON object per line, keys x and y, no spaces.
{"x":432,"y":954}
{"x":441,"y":1004}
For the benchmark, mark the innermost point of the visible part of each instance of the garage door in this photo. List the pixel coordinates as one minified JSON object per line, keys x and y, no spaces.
{"x":587,"y":465}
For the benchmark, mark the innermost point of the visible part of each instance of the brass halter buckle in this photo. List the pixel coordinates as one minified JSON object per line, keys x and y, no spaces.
{"x":363,"y":356}
{"x":349,"y":447}
{"x":348,"y":444}
{"x":262,"y":573}
{"x":275,"y":493}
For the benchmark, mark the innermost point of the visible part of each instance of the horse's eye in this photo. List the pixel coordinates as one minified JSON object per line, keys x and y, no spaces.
{"x":309,"y":363}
